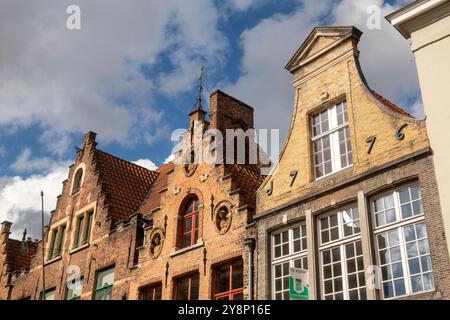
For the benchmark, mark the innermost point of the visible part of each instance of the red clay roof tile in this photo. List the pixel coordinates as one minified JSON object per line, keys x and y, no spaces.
{"x":124,"y":183}
{"x":391,"y":105}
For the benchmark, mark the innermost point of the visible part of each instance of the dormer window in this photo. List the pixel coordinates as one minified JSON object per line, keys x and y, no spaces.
{"x":332,"y":149}
{"x":77,"y":181}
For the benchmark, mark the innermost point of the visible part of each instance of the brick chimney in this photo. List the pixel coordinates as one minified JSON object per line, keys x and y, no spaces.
{"x":229,"y":113}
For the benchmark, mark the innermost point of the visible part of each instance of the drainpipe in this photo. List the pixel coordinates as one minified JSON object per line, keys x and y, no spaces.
{"x":250,"y":245}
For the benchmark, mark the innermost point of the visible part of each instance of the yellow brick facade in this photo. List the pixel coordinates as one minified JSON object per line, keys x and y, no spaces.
{"x":327,"y":66}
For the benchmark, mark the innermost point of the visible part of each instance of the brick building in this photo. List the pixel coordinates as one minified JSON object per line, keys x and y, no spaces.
{"x":124,"y":232}
{"x":354,"y":193}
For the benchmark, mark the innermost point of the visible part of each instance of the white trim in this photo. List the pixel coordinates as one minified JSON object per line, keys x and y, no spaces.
{"x":333,"y":134}
{"x":414,"y":12}
{"x":289,"y":258}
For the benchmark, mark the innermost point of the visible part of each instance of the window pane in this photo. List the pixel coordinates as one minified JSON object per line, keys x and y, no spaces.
{"x":187,"y":224}
{"x":74,"y":289}
{"x":50,"y":294}
{"x":238,"y":275}
{"x":415,"y":193}
{"x":222,"y":279}
{"x":105,"y":278}
{"x":277,"y":252}
{"x":89,"y":227}
{"x":158,"y":292}
{"x":194,"y":287}
{"x":183,"y":289}
{"x":103,"y":294}
{"x":277,"y":239}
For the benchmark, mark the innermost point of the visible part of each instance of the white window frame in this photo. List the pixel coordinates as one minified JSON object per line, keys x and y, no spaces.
{"x":340,"y":243}
{"x":291,"y":257}
{"x":333,"y":133}
{"x":398,"y":226}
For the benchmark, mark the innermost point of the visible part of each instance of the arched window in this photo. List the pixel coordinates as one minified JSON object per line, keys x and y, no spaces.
{"x":77,"y":181}
{"x":189,"y":223}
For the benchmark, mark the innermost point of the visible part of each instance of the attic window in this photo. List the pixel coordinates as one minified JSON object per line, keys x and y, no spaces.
{"x":78,"y":178}
{"x":332,"y":149}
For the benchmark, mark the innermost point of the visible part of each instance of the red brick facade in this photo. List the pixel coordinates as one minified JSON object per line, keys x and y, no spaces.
{"x":130,"y":207}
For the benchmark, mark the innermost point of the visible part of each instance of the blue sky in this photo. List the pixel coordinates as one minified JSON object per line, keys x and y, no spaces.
{"x":130,"y":74}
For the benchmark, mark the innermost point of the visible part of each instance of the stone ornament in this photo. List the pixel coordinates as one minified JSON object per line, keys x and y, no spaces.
{"x":204,"y":177}
{"x":190,"y":164}
{"x":189,"y":169}
{"x":156,"y":243}
{"x":223,"y":219}
{"x":176,"y":191}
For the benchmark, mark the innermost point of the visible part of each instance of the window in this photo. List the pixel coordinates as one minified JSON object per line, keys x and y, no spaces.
{"x":56,"y":242}
{"x":50,"y":294}
{"x":152,"y":292}
{"x":229,"y":281}
{"x":340,"y":256}
{"x":187,"y":287}
{"x":104,"y":284}
{"x":332,"y":149}
{"x":288,"y":250}
{"x":83,"y":229}
{"x":77,"y":180}
{"x":189,"y":227}
{"x":402,"y":243}
{"x":74,"y":289}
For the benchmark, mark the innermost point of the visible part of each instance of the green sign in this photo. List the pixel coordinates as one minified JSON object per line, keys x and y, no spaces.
{"x":298,"y":284}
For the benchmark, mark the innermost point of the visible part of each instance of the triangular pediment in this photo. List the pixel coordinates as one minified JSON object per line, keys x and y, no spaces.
{"x":319,"y":41}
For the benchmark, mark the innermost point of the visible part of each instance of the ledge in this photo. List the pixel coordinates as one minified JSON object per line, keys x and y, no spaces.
{"x":422,"y":153}
{"x":163,"y":190}
{"x":184,"y":250}
{"x":53,"y":260}
{"x":74,"y":250}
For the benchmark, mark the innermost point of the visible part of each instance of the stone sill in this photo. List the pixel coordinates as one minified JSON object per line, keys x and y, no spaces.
{"x":199,"y":244}
{"x":73,"y":195}
{"x":74,"y":250}
{"x":53,"y":260}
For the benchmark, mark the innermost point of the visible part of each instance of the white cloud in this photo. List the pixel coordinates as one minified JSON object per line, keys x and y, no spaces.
{"x":146,"y":163}
{"x":169,"y":158}
{"x":385,"y":57}
{"x":417,"y":109}
{"x":267,"y":47}
{"x":20,"y":200}
{"x":90,"y":79}
{"x":25,"y":164}
{"x":242,"y":5}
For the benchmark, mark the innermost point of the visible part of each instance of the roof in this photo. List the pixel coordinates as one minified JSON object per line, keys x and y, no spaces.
{"x":18,"y":256}
{"x":391,"y":105}
{"x":418,"y":14}
{"x":153,"y":197}
{"x":124,"y":183}
{"x":339,"y":32}
{"x":247,"y":181}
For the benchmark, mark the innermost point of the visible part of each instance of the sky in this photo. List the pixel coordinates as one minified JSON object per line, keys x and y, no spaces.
{"x":129,"y":74}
